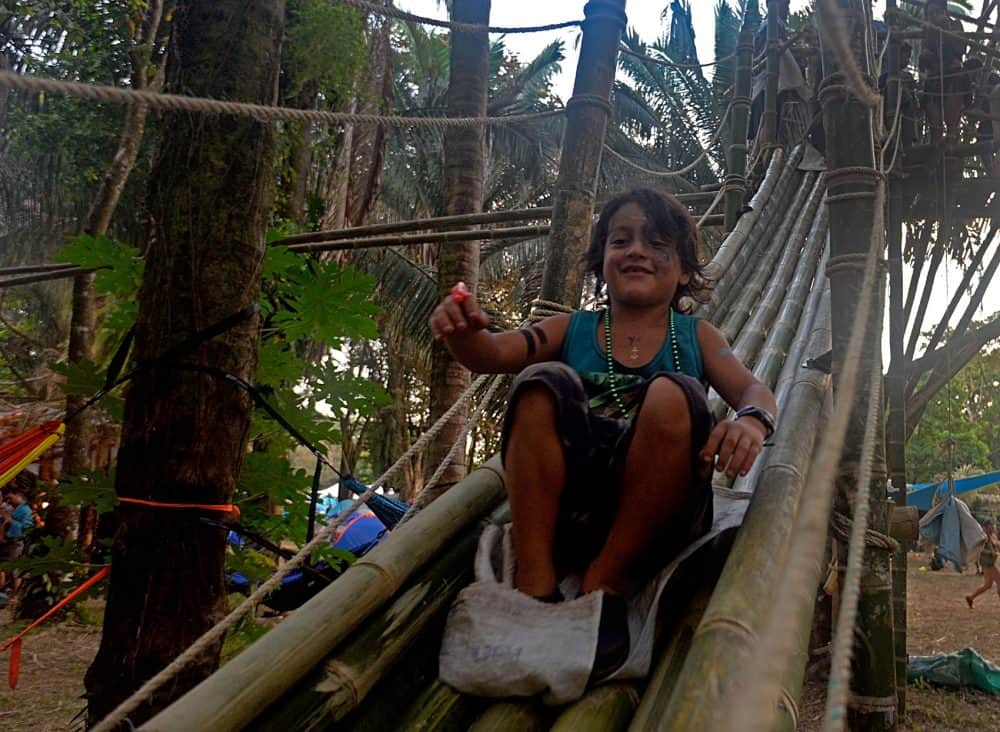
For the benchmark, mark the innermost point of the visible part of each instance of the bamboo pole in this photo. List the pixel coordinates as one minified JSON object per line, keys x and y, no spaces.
{"x":229,"y":699}
{"x":441,"y":709}
{"x":342,"y":682}
{"x":401,"y":240}
{"x":437,"y":223}
{"x":762,"y":238}
{"x":736,"y":161}
{"x":770,"y":120}
{"x":850,"y":150}
{"x":523,"y":716}
{"x":679,"y":633}
{"x":30,"y":268}
{"x":587,"y":114}
{"x":896,"y":392}
{"x":778,"y":259}
{"x":59,"y":274}
{"x":741,"y":603}
{"x":732,"y":243}
{"x":607,"y":708}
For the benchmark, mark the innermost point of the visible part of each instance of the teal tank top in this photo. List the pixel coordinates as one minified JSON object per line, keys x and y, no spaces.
{"x":581,"y":351}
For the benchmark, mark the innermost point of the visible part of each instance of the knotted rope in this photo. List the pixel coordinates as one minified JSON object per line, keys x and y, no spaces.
{"x":260,"y":112}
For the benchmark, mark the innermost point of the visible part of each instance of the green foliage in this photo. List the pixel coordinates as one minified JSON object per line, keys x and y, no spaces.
{"x":51,"y":556}
{"x":117,"y":278}
{"x":324,"y":48}
{"x":96,"y":487}
{"x":971,"y":424}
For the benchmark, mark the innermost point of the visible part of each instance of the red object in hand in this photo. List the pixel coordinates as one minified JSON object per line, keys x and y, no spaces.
{"x":460,"y":292}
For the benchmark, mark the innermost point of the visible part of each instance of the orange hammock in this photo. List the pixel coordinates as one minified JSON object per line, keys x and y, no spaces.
{"x":22,"y":451}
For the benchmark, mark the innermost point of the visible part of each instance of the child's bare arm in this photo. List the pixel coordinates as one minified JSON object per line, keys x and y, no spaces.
{"x":737,"y":442}
{"x":461,"y":326}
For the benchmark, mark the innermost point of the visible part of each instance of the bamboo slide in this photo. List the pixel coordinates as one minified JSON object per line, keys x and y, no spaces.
{"x":362,"y":655}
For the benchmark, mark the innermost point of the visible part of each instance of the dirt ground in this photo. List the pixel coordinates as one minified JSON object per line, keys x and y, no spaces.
{"x":939,"y":621}
{"x":54,"y":659}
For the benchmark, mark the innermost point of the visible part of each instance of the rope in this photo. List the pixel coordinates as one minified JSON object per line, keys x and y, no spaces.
{"x":216,"y":632}
{"x":260,"y":112}
{"x":673,"y":64}
{"x":806,"y":550}
{"x":841,"y":525}
{"x":389,"y":11}
{"x":687,"y":168}
{"x":840,"y":665}
{"x":842,"y":49}
{"x":540,"y":310}
{"x":718,"y":198}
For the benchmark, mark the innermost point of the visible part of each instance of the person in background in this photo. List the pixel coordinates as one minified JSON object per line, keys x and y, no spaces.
{"x":988,"y":561}
{"x":946,"y":83}
{"x":16,"y":519}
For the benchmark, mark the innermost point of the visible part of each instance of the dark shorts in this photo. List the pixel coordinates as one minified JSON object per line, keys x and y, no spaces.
{"x":10,"y":550}
{"x":595,"y":447}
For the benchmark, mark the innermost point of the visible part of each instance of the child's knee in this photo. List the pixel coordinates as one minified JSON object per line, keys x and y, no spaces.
{"x":665,"y":410}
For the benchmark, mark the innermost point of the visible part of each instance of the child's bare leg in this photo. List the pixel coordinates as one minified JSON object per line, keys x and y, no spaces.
{"x":655,"y":484}
{"x":536,"y":474}
{"x":988,"y":580}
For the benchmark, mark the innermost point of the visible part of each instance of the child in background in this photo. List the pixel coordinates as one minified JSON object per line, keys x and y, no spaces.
{"x":608,"y":443}
{"x":15,"y":520}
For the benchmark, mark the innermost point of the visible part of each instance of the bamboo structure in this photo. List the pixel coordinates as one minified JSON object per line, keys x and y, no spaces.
{"x":853,"y":183}
{"x":736,"y":159}
{"x":230,"y":698}
{"x":587,"y":115}
{"x":770,"y":118}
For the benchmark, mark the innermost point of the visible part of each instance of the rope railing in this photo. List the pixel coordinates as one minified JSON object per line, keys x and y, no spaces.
{"x":673,"y":64}
{"x":687,"y":168}
{"x":390,"y":11}
{"x":260,"y":112}
{"x":806,"y":550}
{"x":214,"y":634}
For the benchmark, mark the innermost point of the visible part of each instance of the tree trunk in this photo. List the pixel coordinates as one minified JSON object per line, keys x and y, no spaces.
{"x":851,"y":197}
{"x":184,"y":434}
{"x":464,"y":176}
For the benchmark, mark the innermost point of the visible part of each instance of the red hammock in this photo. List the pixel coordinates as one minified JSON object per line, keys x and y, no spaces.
{"x":20,"y":452}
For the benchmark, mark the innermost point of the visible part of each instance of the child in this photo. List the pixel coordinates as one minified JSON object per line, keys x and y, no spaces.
{"x":608,"y":440}
{"x":988,"y":561}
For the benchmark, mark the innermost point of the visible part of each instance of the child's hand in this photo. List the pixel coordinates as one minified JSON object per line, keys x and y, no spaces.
{"x":737,"y":442}
{"x":457,"y":313}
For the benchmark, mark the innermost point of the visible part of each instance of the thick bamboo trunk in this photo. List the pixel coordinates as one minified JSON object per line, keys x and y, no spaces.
{"x":210,"y":200}
{"x":464,"y":180}
{"x":850,"y":151}
{"x":738,"y":610}
{"x":736,"y":160}
{"x":586,"y":122}
{"x":507,"y":716}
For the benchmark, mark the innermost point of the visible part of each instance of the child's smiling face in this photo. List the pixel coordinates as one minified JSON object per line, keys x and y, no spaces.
{"x":641,"y":267}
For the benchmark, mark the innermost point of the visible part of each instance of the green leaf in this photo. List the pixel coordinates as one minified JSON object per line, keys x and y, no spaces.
{"x":278,"y":260}
{"x":119,"y":267}
{"x":328,"y":303}
{"x":345,"y":393}
{"x":278,"y":364}
{"x":270,"y":475}
{"x":95,"y":487}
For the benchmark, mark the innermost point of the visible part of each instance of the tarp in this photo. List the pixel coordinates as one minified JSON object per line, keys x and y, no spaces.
{"x":922,"y":494}
{"x":955,"y":670}
{"x":952,"y":527}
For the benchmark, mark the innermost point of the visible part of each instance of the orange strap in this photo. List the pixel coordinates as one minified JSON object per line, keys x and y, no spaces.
{"x":223,"y":507}
{"x":15,"y":643}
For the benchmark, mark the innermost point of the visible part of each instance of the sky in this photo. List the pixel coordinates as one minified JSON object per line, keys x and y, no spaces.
{"x":645,"y":16}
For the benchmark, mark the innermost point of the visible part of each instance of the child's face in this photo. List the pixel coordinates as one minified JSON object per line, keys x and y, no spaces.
{"x":16,"y":499}
{"x":640,"y":266}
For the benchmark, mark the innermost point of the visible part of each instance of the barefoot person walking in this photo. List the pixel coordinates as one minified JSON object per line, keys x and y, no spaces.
{"x":988,"y":561}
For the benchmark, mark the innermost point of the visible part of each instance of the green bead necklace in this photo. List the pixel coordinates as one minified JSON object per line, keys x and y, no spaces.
{"x":612,"y":377}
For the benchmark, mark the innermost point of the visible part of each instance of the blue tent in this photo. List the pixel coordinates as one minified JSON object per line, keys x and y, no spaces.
{"x":922,"y":494}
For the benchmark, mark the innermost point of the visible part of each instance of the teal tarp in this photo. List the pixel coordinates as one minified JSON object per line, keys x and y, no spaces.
{"x":962,"y":668}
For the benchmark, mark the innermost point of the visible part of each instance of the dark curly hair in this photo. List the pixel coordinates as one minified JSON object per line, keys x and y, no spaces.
{"x":671,"y":220}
